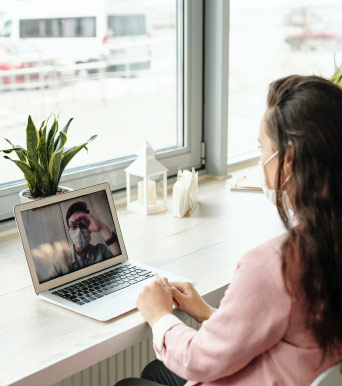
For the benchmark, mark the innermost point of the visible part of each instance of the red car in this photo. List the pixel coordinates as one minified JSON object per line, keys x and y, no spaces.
{"x":315,"y":40}
{"x":18,"y":56}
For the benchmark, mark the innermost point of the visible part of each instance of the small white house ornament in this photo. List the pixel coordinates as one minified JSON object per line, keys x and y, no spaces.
{"x":149,"y":170}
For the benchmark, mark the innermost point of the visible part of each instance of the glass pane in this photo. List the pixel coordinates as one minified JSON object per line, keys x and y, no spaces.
{"x":124,"y":25}
{"x":268,"y":40}
{"x":111,"y":65}
{"x":69,"y":27}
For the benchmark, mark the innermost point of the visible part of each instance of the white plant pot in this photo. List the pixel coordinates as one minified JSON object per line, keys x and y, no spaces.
{"x":23,"y":199}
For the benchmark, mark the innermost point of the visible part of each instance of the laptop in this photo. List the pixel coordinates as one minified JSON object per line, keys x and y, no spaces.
{"x":76,"y":253}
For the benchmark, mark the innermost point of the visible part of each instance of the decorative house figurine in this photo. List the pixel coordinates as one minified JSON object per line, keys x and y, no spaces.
{"x":149,"y":170}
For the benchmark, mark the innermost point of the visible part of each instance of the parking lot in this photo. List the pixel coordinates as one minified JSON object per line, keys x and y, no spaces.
{"x":127,"y":108}
{"x":123,"y":109}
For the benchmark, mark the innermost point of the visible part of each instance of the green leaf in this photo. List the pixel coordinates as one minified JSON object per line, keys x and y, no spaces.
{"x":51,"y":137}
{"x":43,"y":151}
{"x":337,"y":76}
{"x":44,"y":182}
{"x":92,"y":138}
{"x":7,"y":151}
{"x":20,"y":151}
{"x":41,"y":125}
{"x":67,"y":156}
{"x":54,"y":168}
{"x":22,"y":155}
{"x":8,"y":141}
{"x":32,"y":141}
{"x":52,"y":131}
{"x":65,"y":131}
{"x":62,"y":141}
{"x":66,"y":149}
{"x":25,"y":168}
{"x":66,"y":127}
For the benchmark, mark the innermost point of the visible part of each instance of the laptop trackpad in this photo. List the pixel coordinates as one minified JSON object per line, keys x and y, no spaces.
{"x":116,"y":304}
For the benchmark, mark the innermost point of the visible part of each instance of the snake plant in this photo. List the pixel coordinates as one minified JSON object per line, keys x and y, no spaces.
{"x":45,"y":157}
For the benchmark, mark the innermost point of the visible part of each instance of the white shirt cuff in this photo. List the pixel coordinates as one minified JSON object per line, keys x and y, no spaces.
{"x":159,"y":329}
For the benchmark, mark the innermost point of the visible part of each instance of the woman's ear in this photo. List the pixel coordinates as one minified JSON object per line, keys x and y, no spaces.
{"x":288,"y":159}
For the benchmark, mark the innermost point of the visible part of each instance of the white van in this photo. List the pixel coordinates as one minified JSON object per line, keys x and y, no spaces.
{"x":81,"y":31}
{"x":70,"y":31}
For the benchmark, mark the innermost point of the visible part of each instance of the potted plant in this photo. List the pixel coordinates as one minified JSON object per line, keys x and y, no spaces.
{"x":44,"y":159}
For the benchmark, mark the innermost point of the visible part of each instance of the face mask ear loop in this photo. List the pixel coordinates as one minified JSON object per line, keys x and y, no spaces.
{"x":271,"y":157}
{"x":287,"y":179}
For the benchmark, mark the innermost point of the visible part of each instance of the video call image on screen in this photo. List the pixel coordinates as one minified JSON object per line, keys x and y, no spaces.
{"x":71,"y":235}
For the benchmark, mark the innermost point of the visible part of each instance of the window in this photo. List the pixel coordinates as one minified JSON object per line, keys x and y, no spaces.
{"x":269,"y":40}
{"x":127,"y":89}
{"x":127,"y":25}
{"x":6,"y":29}
{"x":56,"y":28}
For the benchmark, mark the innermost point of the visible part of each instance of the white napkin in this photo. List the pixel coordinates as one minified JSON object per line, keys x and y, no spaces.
{"x":185,"y":193}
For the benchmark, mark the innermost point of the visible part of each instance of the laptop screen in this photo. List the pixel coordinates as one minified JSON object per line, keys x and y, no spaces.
{"x":70,"y":235}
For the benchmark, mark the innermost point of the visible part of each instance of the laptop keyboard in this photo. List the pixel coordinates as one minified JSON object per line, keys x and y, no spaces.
{"x":98,"y":286}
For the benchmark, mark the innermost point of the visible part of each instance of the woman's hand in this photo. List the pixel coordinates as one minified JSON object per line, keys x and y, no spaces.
{"x":155,"y":300}
{"x":188,"y":299}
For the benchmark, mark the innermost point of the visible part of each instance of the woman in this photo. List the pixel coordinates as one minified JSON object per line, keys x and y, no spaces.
{"x":280,"y":321}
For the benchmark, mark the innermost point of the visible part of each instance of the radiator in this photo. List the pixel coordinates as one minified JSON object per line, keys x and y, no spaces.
{"x":128,"y":363}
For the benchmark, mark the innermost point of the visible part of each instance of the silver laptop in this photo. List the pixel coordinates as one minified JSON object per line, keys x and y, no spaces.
{"x":76,"y":253}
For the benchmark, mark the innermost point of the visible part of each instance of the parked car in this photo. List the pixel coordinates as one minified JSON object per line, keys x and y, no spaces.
{"x":20,"y":56}
{"x":315,"y":38}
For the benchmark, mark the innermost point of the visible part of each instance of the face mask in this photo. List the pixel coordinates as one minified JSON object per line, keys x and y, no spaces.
{"x":271,"y":194}
{"x":80,"y":237}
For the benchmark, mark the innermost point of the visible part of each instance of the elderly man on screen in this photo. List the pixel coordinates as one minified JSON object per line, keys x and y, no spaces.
{"x":80,"y":226}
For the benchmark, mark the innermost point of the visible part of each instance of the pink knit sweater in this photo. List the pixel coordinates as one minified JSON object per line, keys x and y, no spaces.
{"x":256,"y":337}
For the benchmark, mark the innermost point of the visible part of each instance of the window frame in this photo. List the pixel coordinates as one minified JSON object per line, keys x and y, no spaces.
{"x":216,"y":75}
{"x":216,"y":92}
{"x":189,"y":113}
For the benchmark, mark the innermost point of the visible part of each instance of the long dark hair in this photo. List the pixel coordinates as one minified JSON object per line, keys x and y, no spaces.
{"x":307,"y":112}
